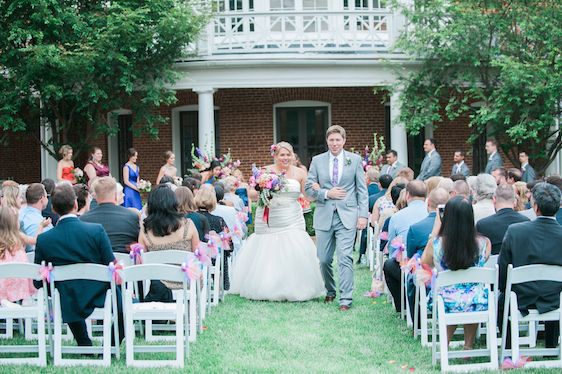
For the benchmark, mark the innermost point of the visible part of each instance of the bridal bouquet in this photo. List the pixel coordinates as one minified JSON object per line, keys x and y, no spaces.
{"x":266,"y":183}
{"x":78,"y":175}
{"x":144,"y":186}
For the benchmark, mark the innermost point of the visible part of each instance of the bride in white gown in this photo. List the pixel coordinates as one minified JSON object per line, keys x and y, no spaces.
{"x":278,"y":262}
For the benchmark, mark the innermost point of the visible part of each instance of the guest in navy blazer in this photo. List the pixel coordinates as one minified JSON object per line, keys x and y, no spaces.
{"x":73,"y":242}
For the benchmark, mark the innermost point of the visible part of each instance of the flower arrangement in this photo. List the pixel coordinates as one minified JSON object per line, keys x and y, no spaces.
{"x":375,"y":156}
{"x":144,"y":186}
{"x":200,"y":160}
{"x":267,"y":183}
{"x":78,"y":175}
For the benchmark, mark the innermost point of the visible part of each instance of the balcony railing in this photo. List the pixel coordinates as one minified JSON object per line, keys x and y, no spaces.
{"x":345,"y":33}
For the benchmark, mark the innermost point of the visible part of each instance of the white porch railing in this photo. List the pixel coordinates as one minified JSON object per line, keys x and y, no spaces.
{"x":345,"y":32}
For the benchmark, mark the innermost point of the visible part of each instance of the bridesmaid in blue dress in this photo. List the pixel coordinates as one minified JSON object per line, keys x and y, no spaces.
{"x":130,"y":179}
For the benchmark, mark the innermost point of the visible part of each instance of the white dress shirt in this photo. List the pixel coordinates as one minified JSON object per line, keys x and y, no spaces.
{"x":492,"y":155}
{"x":458,"y":167}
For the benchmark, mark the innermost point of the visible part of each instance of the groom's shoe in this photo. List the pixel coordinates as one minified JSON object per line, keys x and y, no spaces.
{"x":344,"y":308}
{"x":329,"y":299}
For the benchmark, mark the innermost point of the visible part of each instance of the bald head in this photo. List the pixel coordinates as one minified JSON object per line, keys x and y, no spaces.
{"x":461,"y":188}
{"x":438,"y":196}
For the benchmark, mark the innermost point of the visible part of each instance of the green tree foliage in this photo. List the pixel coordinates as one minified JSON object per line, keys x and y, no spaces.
{"x":71,"y":62}
{"x":498,"y":61}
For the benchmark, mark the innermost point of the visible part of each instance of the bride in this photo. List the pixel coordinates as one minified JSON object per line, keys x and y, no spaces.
{"x":278,"y":262}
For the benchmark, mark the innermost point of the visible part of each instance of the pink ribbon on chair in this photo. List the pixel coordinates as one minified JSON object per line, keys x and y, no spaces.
{"x":46,"y":272}
{"x":225,"y":240}
{"x":213,"y":241}
{"x":136,"y":253}
{"x":243,"y":216}
{"x":191,"y":269}
{"x":113,"y":268}
{"x":202,"y":254}
{"x":508,"y":363}
{"x":237,"y":232}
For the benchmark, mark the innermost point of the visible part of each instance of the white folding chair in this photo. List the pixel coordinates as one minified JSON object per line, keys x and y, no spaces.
{"x":108,"y":314}
{"x":421,"y":314}
{"x":371,"y":245}
{"x":124,"y":258}
{"x":174,"y":257}
{"x":214,"y":281}
{"x":155,"y":311}
{"x":30,"y":272}
{"x":483,"y":275}
{"x":523,"y":274}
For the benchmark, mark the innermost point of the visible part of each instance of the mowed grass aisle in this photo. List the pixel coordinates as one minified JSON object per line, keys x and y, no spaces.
{"x":245,"y":336}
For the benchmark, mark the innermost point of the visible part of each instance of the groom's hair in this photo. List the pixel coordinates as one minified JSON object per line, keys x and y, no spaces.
{"x":335,"y":129}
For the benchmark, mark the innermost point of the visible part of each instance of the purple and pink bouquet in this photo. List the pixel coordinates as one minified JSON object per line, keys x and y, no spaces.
{"x":267,"y":183}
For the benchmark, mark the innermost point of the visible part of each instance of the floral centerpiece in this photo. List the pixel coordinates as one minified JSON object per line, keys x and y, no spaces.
{"x":144,"y":186}
{"x":267,"y":183}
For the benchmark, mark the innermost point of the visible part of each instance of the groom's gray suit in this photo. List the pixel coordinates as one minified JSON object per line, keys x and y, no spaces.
{"x":335,"y":221}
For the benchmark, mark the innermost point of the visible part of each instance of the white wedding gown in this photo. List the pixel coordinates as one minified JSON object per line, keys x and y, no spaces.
{"x":278,"y":262}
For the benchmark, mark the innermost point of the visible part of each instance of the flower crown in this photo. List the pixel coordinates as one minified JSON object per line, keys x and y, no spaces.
{"x":273,"y":149}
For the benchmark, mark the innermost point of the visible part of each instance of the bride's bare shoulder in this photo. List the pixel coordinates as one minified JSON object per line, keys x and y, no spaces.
{"x":298,"y":173}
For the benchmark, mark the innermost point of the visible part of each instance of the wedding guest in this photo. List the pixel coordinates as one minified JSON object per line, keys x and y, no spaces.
{"x":528,"y":173}
{"x":385,"y":201}
{"x":432,"y":182}
{"x":30,"y":217}
{"x":530,"y":212}
{"x":392,"y":166}
{"x":74,"y":242}
{"x":229,"y":215}
{"x":48,"y":211}
{"x":398,"y":228}
{"x":535,"y":242}
{"x":120,"y":224}
{"x":94,"y":168}
{"x":245,"y":192}
{"x":65,"y":167}
{"x":373,"y":176}
{"x":500,"y":175}
{"x":168,"y":168}
{"x":513,"y":175}
{"x":206,"y":202}
{"x":460,"y":167}
{"x":472,"y":184}
{"x":186,"y":206}
{"x":522,"y":195}
{"x":485,"y":188}
{"x":384,"y":180}
{"x":212,"y":173}
{"x":461,"y":188}
{"x":166,"y":228}
{"x":447,"y":184}
{"x":407,"y":173}
{"x":192,"y":183}
{"x":458,"y":177}
{"x":431,"y":164}
{"x":230,"y":186}
{"x":12,"y":250}
{"x":556,"y":181}
{"x":83,"y":198}
{"x":495,"y":226}
{"x":23,"y":190}
{"x":455,"y":245}
{"x":11,"y":197}
{"x":494,"y":159}
{"x":131,"y":177}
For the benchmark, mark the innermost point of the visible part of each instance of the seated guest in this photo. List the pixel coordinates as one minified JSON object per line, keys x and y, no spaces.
{"x":556,"y":181}
{"x":513,"y":175}
{"x":398,"y":227}
{"x":432,"y":183}
{"x":454,"y":245}
{"x":229,"y":215}
{"x":74,"y":242}
{"x":83,"y":198}
{"x":384,"y":180}
{"x":121,"y":224}
{"x":30,"y":216}
{"x":166,"y":228}
{"x":395,"y":194}
{"x":48,"y":211}
{"x":460,"y":188}
{"x":458,"y":177}
{"x":484,"y":192}
{"x":530,"y":212}
{"x":186,"y":206}
{"x":372,"y":176}
{"x":385,"y":201}
{"x":192,"y":183}
{"x":500,"y":175}
{"x":406,"y":173}
{"x":447,"y":184}
{"x":521,"y":196}
{"x":535,"y":242}
{"x":12,"y":250}
{"x":495,"y":226}
{"x":230,"y":185}
{"x":373,"y":188}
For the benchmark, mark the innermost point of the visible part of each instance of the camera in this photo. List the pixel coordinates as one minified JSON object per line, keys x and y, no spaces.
{"x":441,"y":210}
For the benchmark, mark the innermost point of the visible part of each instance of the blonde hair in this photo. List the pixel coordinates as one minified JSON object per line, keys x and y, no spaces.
{"x":10,"y":239}
{"x":104,"y":187}
{"x":12,"y":196}
{"x":285,"y":145}
{"x":335,"y":129}
{"x":432,"y":183}
{"x":520,"y":189}
{"x":63,"y":151}
{"x":206,"y":199}
{"x":167,"y":155}
{"x":185,"y":198}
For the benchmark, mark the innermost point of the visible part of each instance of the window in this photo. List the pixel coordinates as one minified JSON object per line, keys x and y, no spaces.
{"x":304,"y":128}
{"x":189,"y":134}
{"x":315,"y":4}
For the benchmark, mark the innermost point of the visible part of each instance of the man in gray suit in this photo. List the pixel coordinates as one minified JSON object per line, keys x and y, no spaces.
{"x":494,"y":158}
{"x":337,"y":181}
{"x":431,"y":164}
{"x":393,"y":166}
{"x":529,"y":174}
{"x":459,"y":168}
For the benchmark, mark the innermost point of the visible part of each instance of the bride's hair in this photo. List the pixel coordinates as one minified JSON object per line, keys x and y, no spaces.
{"x":285,"y":145}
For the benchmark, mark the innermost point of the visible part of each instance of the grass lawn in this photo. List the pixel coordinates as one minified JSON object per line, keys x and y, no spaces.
{"x":312,"y":337}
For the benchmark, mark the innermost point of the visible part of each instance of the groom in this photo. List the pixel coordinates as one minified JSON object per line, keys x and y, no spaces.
{"x":341,"y":209}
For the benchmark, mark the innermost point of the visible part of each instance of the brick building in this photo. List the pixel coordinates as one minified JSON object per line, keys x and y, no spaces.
{"x":266,"y":71}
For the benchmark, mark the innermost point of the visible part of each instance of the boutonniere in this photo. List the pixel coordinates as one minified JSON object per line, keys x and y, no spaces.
{"x":348,"y":161}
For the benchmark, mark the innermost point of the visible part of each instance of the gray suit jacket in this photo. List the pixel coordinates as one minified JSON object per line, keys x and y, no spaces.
{"x":430,"y":167}
{"x":464,"y":170}
{"x":356,"y":202}
{"x":494,"y":163}
{"x":392,"y":171}
{"x":529,"y":174}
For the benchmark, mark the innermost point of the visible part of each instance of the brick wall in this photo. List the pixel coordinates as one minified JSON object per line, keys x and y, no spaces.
{"x":20,"y":159}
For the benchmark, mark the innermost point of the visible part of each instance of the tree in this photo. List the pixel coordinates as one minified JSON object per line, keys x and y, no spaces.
{"x":72,"y":62}
{"x":499,"y":61}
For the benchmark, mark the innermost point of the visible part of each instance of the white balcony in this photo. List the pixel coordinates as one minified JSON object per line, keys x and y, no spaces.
{"x":280,"y":29}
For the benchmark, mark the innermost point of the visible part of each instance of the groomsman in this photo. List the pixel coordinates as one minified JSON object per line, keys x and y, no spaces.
{"x":460,"y":167}
{"x":393,"y":166}
{"x":528,"y":173}
{"x":494,"y":158}
{"x":431,"y":164}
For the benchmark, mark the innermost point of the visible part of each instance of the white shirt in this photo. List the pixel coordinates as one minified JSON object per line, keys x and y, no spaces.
{"x":524,"y":166}
{"x":458,"y":166}
{"x":69,"y":215}
{"x":340,"y":165}
{"x":492,"y":155}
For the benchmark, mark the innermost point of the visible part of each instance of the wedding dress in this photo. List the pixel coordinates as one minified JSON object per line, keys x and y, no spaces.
{"x":278,"y":262}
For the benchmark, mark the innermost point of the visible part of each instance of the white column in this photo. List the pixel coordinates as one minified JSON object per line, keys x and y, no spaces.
{"x":48,"y":162}
{"x":398,"y":136}
{"x":206,"y":121}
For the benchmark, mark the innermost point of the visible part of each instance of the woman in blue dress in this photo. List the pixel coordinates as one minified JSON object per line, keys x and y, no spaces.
{"x":130,"y":179}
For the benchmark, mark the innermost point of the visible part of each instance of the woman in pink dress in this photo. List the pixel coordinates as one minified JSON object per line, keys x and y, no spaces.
{"x":94,"y":168}
{"x":12,"y":249}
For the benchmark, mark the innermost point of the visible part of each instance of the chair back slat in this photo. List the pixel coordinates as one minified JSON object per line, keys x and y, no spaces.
{"x":529,"y":273}
{"x":171,"y":256}
{"x":124,"y":258}
{"x":95,"y":272}
{"x":20,"y":270}
{"x":470,"y":275}
{"x":143,"y":272}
